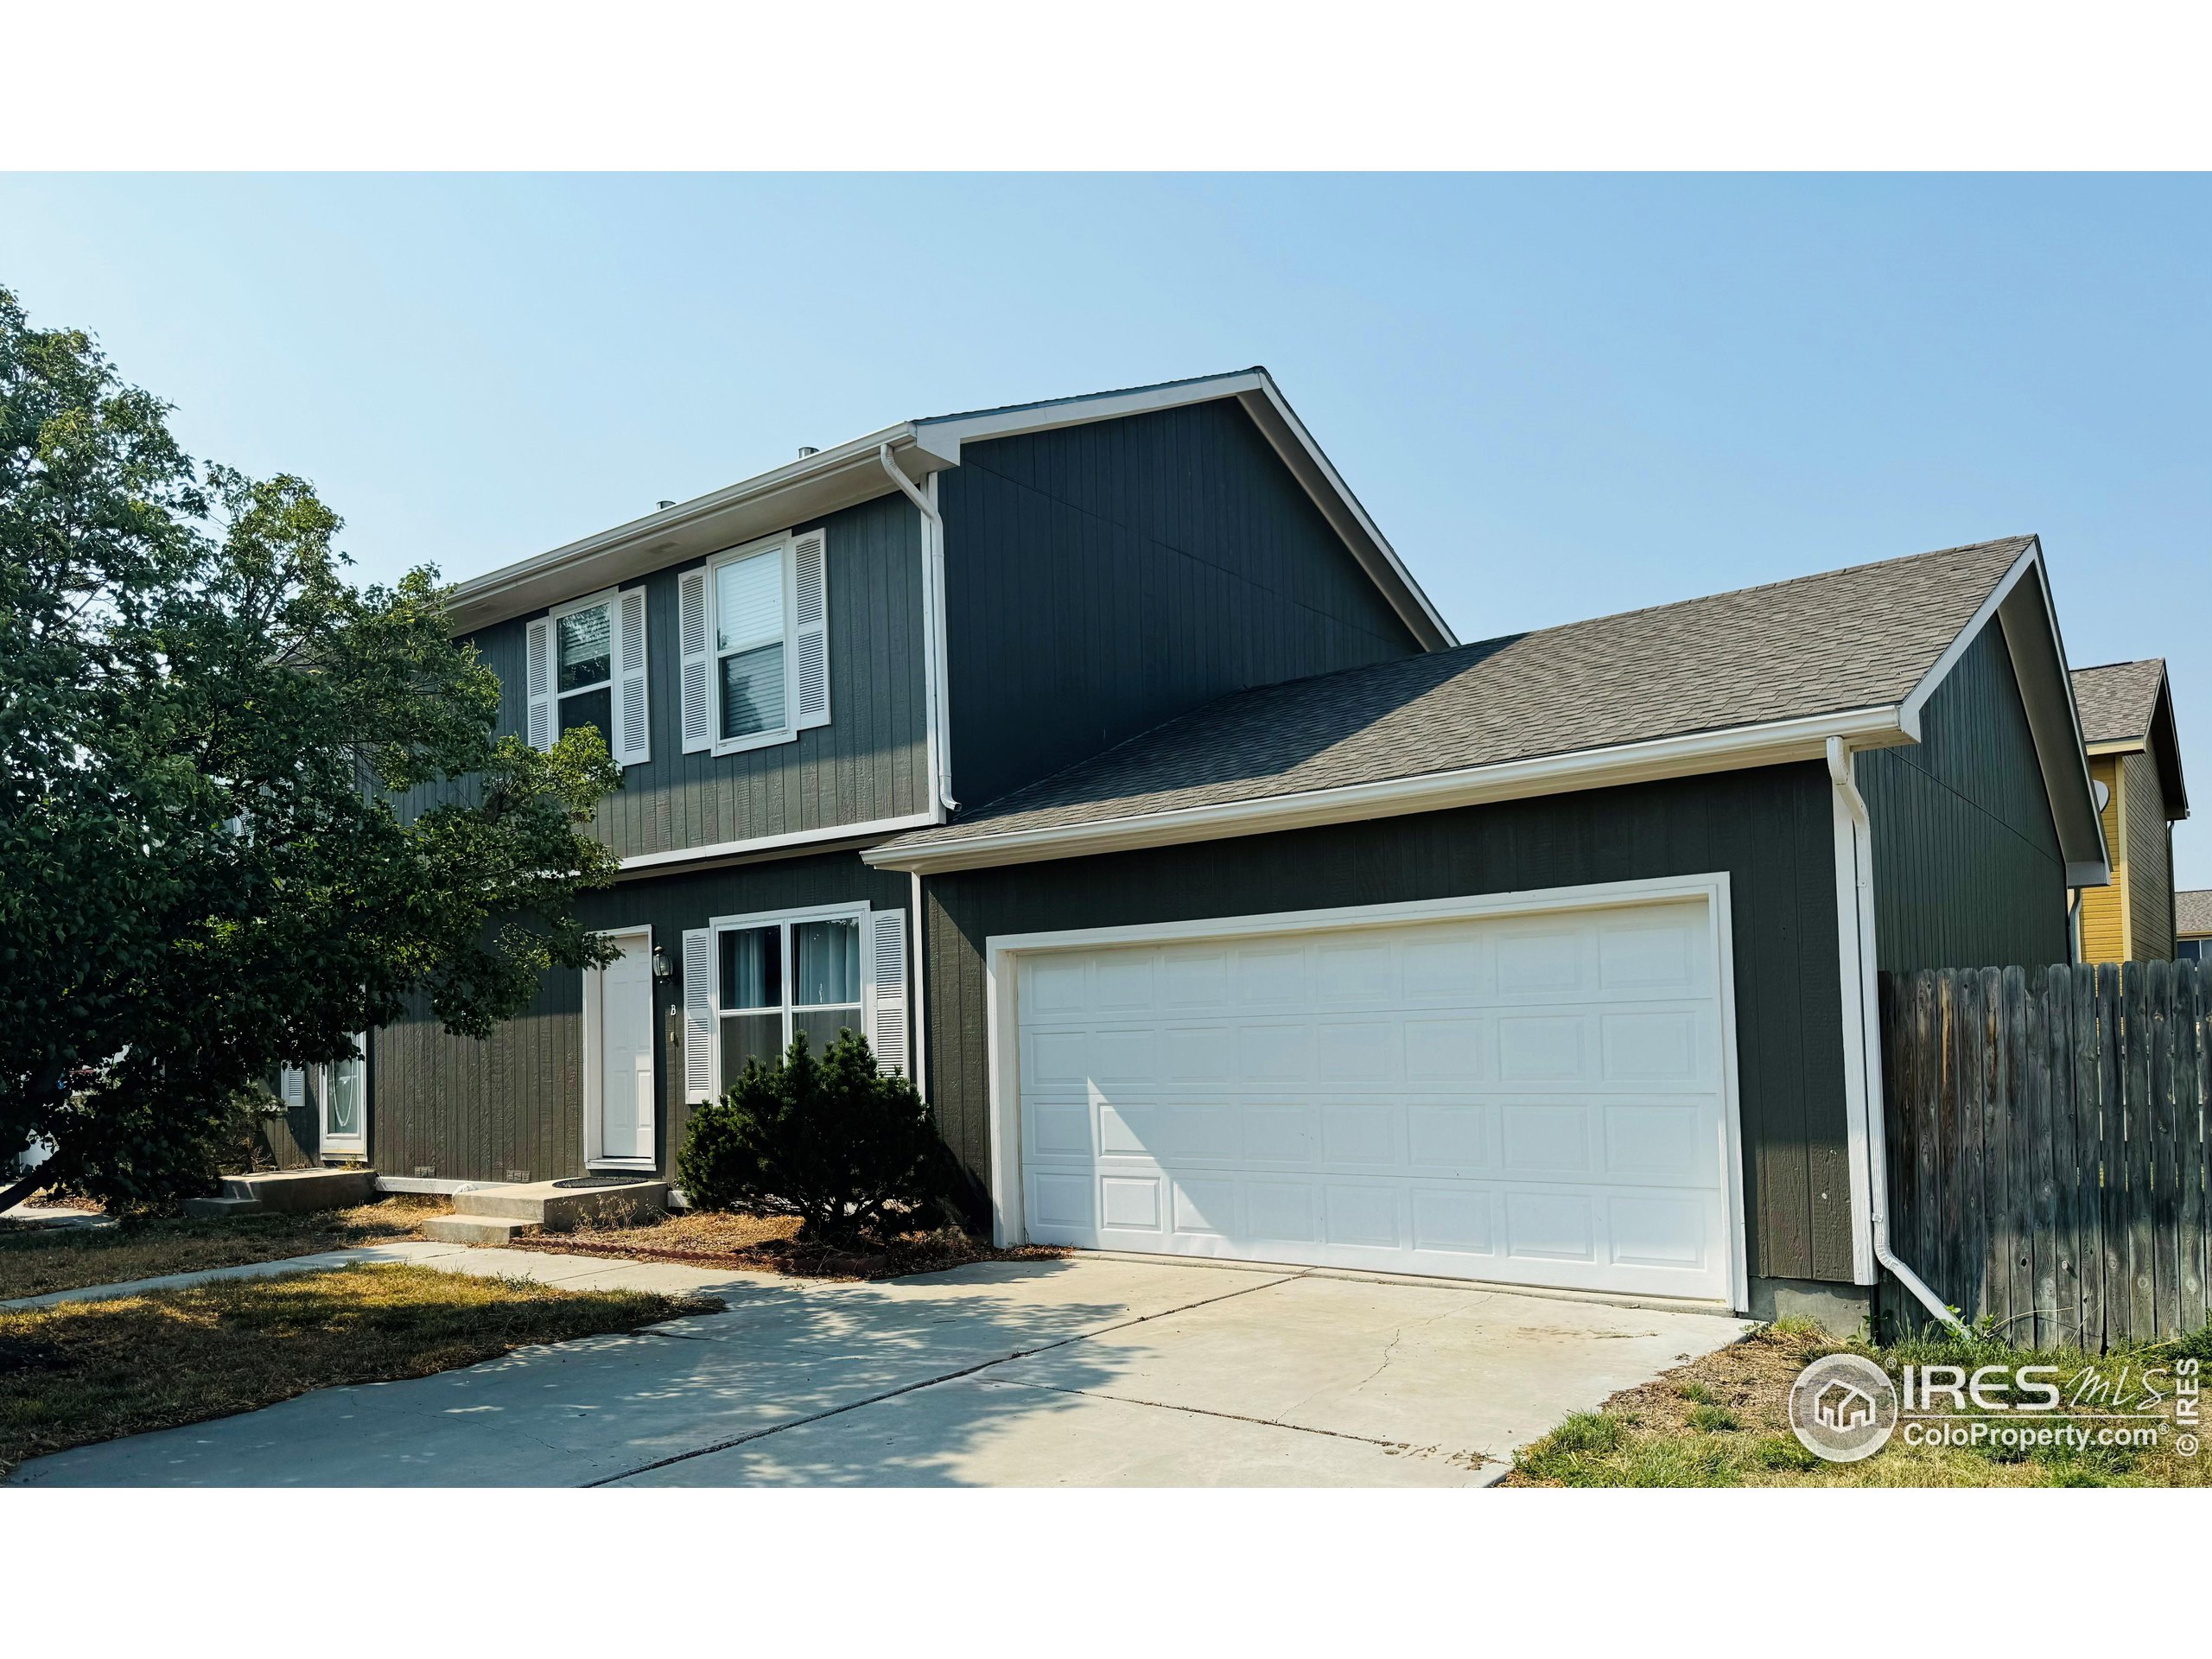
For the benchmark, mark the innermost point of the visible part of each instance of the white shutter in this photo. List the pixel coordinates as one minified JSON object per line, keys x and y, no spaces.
{"x":292,"y":1086}
{"x":887,"y":1032}
{"x":691,"y":641}
{"x":698,"y":1013}
{"x":810,"y":637}
{"x":537,"y":675}
{"x":632,"y":742}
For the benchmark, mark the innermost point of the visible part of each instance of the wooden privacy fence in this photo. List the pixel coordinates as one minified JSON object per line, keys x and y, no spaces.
{"x":2047,"y":1147}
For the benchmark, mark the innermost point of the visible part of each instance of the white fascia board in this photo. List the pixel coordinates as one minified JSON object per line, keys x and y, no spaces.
{"x":2029,"y":620}
{"x":1255,"y":390}
{"x":941,"y":439}
{"x":653,"y":863}
{"x":841,"y":477}
{"x":1737,"y":748}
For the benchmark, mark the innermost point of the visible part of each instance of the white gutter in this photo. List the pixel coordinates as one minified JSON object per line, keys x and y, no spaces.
{"x":1859,"y":999}
{"x":1772,"y":744}
{"x":940,"y":736}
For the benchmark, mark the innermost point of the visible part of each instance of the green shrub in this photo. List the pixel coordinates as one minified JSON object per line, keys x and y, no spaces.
{"x":850,"y":1150}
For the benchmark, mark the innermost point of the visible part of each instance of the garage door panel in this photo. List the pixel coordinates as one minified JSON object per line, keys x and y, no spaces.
{"x":1534,"y":1100}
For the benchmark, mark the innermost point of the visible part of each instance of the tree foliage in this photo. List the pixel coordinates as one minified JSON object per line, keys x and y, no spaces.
{"x":246,"y":808}
{"x":850,"y":1150}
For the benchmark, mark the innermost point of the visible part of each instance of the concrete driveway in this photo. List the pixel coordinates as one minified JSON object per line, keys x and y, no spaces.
{"x":1086,"y":1371}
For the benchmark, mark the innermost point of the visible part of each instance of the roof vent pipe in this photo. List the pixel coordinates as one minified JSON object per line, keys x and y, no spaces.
{"x":806,"y":449}
{"x":1878,"y":1162}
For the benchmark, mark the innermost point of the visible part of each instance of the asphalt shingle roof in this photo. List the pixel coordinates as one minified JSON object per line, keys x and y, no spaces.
{"x":1854,"y":638}
{"x":2118,"y":699}
{"x":2193,"y":911}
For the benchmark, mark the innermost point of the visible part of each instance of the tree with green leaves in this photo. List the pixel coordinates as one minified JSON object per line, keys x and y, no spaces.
{"x":247,"y":809}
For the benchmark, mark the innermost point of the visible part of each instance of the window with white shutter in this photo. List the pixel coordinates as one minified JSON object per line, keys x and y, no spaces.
{"x":698,"y":1013}
{"x":292,"y":1086}
{"x":631,"y":740}
{"x":887,"y":1032}
{"x":763,"y":639}
{"x":810,"y":630}
{"x":691,"y":640}
{"x":537,"y":671}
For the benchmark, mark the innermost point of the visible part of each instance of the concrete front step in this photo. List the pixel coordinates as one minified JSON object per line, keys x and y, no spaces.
{"x":218,"y":1209}
{"x":477,"y":1229}
{"x":557,"y":1208}
{"x":291,"y":1190}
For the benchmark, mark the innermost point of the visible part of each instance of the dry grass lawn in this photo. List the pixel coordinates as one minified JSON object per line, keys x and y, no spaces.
{"x":35,"y":1261}
{"x":84,"y":1371}
{"x":772,"y":1245}
{"x":1723,"y":1421}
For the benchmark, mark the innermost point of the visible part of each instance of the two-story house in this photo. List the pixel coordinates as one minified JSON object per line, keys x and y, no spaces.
{"x":2127,"y":719}
{"x":1102,"y":761}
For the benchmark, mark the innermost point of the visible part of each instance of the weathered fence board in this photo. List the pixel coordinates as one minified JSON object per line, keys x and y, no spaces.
{"x":2050,"y":1138}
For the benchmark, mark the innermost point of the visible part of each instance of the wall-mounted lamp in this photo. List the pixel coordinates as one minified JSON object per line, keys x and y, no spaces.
{"x":664,"y":970}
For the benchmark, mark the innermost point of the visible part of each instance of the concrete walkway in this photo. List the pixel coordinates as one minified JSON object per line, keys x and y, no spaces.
{"x":1083,"y":1372}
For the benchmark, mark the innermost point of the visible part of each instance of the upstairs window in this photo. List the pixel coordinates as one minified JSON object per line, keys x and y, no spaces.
{"x":585,"y":665}
{"x":754,"y":626}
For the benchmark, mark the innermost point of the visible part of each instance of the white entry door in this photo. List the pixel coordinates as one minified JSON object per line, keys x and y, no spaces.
{"x":1542,"y":1097}
{"x":620,"y":1016}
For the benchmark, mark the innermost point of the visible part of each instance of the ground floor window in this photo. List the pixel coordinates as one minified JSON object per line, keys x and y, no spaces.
{"x":779,"y":975}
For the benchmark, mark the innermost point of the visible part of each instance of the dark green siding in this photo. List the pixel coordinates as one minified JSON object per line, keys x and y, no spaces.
{"x":1968,"y":871}
{"x":870,"y":761}
{"x":471,"y":1110}
{"x":1102,"y":579}
{"x":1770,"y":830}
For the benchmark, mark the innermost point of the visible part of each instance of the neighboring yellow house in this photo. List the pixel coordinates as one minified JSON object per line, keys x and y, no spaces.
{"x":2193,"y":924}
{"x":2127,"y":722}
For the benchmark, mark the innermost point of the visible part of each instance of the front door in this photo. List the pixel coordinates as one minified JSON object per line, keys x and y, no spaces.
{"x":344,"y":1086}
{"x":625,"y":1061}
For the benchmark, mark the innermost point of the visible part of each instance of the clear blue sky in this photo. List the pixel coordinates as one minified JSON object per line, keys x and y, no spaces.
{"x":1559,"y":395}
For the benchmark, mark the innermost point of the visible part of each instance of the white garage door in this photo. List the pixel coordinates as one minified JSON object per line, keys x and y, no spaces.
{"x":1525,"y":1098}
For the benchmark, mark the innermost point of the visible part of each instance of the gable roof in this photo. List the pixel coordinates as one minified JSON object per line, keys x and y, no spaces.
{"x":850,"y":473}
{"x":2130,"y":705}
{"x":2118,"y":700}
{"x":2193,"y":911}
{"x":1745,"y":678}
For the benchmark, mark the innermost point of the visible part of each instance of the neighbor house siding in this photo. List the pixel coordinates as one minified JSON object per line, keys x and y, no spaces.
{"x":1967,"y":870}
{"x":2150,"y":859}
{"x":1770,"y":830}
{"x":512,"y":1106}
{"x":869,"y":763}
{"x":2104,"y":910}
{"x":1101,"y":579}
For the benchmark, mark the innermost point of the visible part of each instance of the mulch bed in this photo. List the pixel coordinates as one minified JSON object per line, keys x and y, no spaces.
{"x":772,"y":1245}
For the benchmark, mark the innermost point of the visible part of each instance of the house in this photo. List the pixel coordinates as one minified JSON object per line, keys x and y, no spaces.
{"x":2127,"y":718}
{"x":1102,"y":762}
{"x":2193,"y":924}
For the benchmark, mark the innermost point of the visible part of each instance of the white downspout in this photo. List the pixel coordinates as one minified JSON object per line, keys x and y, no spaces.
{"x":1877,"y":1173}
{"x":940,"y":739}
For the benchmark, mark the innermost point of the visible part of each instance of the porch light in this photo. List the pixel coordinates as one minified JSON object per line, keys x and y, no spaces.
{"x":664,"y":970}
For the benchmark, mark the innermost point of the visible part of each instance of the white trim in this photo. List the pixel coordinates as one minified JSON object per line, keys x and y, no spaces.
{"x":1003,"y":1009}
{"x":595,"y":1084}
{"x":1702,"y":752}
{"x":848,"y":473}
{"x":770,"y":844}
{"x":784,"y":542}
{"x":784,"y":921}
{"x":1917,"y":699}
{"x":1854,"y":925}
{"x":942,"y":439}
{"x":921,"y":1002}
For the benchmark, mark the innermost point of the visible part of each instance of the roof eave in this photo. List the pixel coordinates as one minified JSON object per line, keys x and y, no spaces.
{"x":1730,"y":749}
{"x":840,"y":477}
